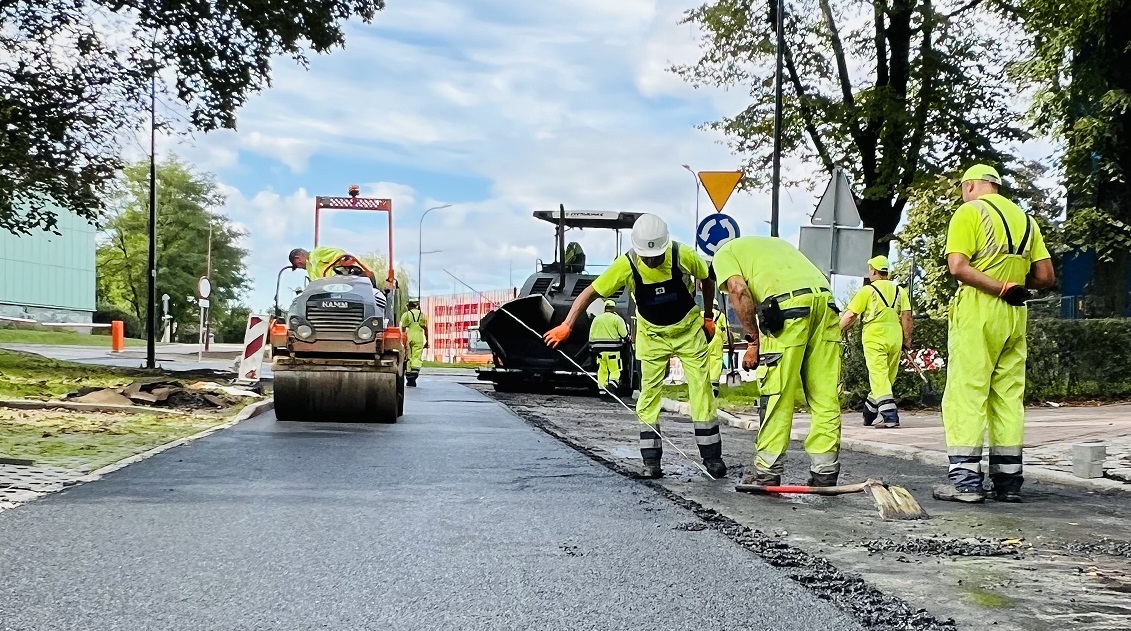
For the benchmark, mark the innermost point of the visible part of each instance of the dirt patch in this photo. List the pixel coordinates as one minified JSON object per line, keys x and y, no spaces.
{"x":944,"y":547}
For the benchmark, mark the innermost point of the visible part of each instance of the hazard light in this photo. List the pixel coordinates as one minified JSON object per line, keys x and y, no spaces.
{"x":278,"y":329}
{"x":392,"y":334}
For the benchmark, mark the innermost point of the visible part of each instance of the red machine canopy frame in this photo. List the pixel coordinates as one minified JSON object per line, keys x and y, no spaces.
{"x":356,"y":203}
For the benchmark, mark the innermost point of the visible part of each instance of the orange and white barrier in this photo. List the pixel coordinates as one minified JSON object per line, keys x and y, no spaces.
{"x":254,"y":345}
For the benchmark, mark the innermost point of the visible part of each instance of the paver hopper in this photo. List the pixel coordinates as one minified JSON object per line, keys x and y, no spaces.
{"x":522,"y":361}
{"x":338,"y":354}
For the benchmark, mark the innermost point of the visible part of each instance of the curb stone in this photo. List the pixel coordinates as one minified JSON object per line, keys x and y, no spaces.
{"x":916,"y":454}
{"x":28,"y":404}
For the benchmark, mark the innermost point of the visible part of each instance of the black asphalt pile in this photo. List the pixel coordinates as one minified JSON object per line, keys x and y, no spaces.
{"x":1104,"y":546}
{"x":869,"y":606}
{"x":944,"y":547}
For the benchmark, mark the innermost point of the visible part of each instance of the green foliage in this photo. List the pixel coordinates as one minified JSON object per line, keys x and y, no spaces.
{"x":922,"y":241}
{"x":1073,"y":360}
{"x":75,"y":80}
{"x":891,"y":92}
{"x":107,"y":313}
{"x":231,"y":327}
{"x":185,"y":203}
{"x":379,"y":263}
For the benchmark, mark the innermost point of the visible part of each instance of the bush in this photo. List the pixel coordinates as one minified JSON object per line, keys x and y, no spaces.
{"x":1068,"y":360}
{"x":105,"y":314}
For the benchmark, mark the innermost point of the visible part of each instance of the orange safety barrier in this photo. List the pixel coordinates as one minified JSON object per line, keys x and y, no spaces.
{"x":117,"y":336}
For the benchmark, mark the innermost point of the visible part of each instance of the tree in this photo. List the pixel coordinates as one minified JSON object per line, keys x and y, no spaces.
{"x":379,"y":263}
{"x":1080,"y":53}
{"x":185,"y":202}
{"x":898,"y":98}
{"x":922,"y":241}
{"x":75,"y":80}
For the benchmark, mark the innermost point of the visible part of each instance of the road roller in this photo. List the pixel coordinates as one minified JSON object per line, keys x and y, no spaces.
{"x":337,"y":353}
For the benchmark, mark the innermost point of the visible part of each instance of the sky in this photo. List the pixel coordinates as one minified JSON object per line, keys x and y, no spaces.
{"x":494,"y":107}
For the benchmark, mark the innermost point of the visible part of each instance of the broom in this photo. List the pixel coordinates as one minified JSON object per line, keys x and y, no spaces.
{"x":893,"y":502}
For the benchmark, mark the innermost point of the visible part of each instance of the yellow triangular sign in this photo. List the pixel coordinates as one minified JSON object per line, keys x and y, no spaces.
{"x":720,"y":185}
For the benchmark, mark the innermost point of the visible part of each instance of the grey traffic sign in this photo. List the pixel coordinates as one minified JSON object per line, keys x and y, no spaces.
{"x":837,"y":205}
{"x":837,"y":249}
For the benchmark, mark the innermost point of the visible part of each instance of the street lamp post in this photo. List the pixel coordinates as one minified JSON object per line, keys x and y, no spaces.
{"x":696,"y":178}
{"x":420,"y":249}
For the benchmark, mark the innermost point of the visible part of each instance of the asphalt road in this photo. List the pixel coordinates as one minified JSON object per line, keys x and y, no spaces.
{"x":461,"y":516}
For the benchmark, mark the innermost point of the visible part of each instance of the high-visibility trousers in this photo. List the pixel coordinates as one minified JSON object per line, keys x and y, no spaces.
{"x":716,"y":348}
{"x":883,"y":348}
{"x":415,"y":352}
{"x":608,"y":368}
{"x":654,"y":347}
{"x":803,"y":360}
{"x":985,"y":389}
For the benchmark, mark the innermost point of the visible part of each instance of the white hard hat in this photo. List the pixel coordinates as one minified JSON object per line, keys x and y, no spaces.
{"x":650,"y":236}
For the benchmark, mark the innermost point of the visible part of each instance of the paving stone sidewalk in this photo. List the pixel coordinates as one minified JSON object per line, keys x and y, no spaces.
{"x":1049,"y":434}
{"x":20,"y":483}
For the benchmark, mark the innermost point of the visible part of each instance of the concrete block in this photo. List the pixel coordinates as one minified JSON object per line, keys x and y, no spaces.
{"x":1088,"y":460}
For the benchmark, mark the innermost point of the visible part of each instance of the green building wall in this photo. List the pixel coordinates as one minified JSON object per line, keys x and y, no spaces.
{"x":49,"y":277}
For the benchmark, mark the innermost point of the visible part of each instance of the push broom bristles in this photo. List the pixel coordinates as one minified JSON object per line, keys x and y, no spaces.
{"x":893,"y":502}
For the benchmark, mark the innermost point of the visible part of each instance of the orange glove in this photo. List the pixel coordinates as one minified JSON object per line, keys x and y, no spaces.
{"x":709,"y":328}
{"x":557,"y":335}
{"x":750,"y":358}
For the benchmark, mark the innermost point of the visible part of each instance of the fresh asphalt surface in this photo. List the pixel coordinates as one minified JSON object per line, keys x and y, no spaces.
{"x":460,"y":516}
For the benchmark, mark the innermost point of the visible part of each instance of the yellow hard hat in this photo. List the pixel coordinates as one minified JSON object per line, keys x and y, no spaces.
{"x":878,"y":263}
{"x":610,"y":303}
{"x":981,"y":172}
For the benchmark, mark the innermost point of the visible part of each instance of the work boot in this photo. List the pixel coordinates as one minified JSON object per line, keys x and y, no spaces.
{"x":887,"y":421}
{"x":1007,"y":488}
{"x":761,"y":478}
{"x":870,"y":417}
{"x":966,"y":494}
{"x":612,"y":387}
{"x":651,"y":470}
{"x":823,"y":479}
{"x":410,"y":381}
{"x":1007,"y":495}
{"x":716,"y":467}
{"x":715,"y":388}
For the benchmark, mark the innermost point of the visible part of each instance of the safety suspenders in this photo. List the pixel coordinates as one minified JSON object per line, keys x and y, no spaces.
{"x":894,"y":304}
{"x":1020,"y":249}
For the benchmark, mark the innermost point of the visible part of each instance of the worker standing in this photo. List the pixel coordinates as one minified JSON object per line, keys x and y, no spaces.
{"x":415,"y":326}
{"x":716,"y":346}
{"x":997,"y":254}
{"x":605,"y":330}
{"x":886,"y":312}
{"x":661,"y":274}
{"x":798,"y":350}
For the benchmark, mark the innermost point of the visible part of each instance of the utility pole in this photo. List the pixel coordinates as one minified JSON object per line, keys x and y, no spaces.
{"x":151,"y":293}
{"x":775,"y":203}
{"x":208,"y":275}
{"x":697,"y":195}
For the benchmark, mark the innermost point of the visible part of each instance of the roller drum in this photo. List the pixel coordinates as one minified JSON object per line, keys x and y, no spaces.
{"x":343,"y":396}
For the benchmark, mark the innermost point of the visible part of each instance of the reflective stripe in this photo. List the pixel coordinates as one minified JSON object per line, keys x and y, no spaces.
{"x":766,"y":462}
{"x":827,"y":463}
{"x":707,"y":433}
{"x":1005,"y":451}
{"x":870,"y":405}
{"x":650,"y":439}
{"x":1008,"y":463}
{"x":887,"y":404}
{"x":960,"y":450}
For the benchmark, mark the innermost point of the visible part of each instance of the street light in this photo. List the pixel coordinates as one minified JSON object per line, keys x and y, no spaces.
{"x":420,"y":249}
{"x":696,"y":178}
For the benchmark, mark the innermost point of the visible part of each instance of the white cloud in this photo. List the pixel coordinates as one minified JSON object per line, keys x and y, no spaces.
{"x":552,"y":102}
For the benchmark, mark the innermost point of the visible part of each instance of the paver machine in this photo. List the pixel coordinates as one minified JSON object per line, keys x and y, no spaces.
{"x":337,"y":352}
{"x":521,"y":360}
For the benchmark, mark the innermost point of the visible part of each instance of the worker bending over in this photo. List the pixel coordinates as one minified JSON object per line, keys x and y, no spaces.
{"x":323,"y":262}
{"x":886,"y":312}
{"x":799,"y":350}
{"x":661,"y":274}
{"x":415,"y":326}
{"x":606,"y":331}
{"x":997,"y":253}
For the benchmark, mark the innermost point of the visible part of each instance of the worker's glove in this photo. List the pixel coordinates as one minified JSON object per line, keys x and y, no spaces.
{"x":1015,"y":294}
{"x":709,"y":328}
{"x":557,"y":335}
{"x":750,"y":358}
